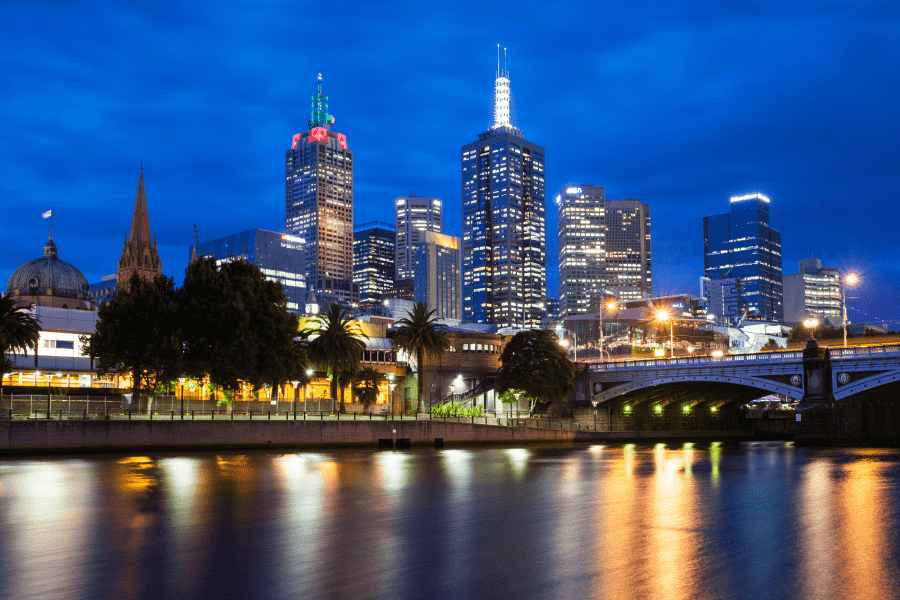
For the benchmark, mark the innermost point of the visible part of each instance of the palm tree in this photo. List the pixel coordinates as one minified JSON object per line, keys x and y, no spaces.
{"x":19,"y":330}
{"x":338,"y":347}
{"x":367,"y":380}
{"x":420,"y":334}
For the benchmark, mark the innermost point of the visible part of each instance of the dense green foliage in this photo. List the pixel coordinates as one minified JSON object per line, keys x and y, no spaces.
{"x":19,"y":331}
{"x":227,"y":322}
{"x":338,"y":346}
{"x":534,"y":363}
{"x":139,"y":332}
{"x":452,"y":409}
{"x":236,"y":327}
{"x":421,"y":335}
{"x":366,"y":388}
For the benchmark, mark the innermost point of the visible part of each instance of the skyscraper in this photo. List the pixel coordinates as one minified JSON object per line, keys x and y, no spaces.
{"x":319,"y":200}
{"x":415,"y":215}
{"x":279,"y":256}
{"x":604,"y":248}
{"x":139,"y":253}
{"x":503,"y":247}
{"x":437,"y":264}
{"x":741,"y":244}
{"x":373,"y":261}
{"x":815,"y":291}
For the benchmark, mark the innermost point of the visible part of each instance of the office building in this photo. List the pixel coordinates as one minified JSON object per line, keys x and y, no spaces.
{"x":279,"y":256}
{"x":741,"y":244}
{"x":414,"y":216}
{"x":102,"y":291}
{"x":724,"y":300}
{"x":815,"y":291}
{"x":437,"y":275}
{"x":604,"y":249}
{"x":374,"y":245}
{"x":504,"y":249}
{"x":319,"y":201}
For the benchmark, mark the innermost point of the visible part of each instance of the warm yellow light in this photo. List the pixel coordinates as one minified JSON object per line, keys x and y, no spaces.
{"x":662,"y":315}
{"x":717,"y":353}
{"x":564,"y":343}
{"x":659,"y":352}
{"x":851,"y":279}
{"x":611,"y":306}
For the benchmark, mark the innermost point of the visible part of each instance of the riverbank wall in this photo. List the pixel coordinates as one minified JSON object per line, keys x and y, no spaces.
{"x":62,"y":436}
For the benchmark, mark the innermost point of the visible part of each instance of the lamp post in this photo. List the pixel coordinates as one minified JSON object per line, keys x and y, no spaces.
{"x":595,"y":402}
{"x":611,"y":306}
{"x":181,"y":380}
{"x":851,"y":279}
{"x":296,"y":384}
{"x":662,"y":316}
{"x":811,"y":324}
{"x":391,"y":385}
{"x":574,"y":340}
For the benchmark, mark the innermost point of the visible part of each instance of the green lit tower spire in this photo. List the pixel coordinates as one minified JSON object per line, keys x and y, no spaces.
{"x":320,"y":116}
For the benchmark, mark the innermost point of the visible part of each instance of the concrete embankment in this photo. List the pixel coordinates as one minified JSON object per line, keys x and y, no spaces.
{"x":53,"y":436}
{"x":725,"y":435}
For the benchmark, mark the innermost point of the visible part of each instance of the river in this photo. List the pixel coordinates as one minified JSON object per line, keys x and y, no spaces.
{"x":755,"y":520}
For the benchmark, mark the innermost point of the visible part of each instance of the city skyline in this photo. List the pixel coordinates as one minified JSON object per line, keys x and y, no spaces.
{"x":669,"y":110}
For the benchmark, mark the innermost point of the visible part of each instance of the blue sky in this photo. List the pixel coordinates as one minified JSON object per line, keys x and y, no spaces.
{"x":678,"y":104}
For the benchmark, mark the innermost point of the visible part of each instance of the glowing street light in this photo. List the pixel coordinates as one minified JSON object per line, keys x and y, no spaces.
{"x":662,"y":316}
{"x":811,"y":324}
{"x":565,"y":343}
{"x":849,"y":280}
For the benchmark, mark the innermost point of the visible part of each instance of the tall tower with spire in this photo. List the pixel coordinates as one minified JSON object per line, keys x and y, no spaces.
{"x":319,"y":201}
{"x":504,"y":245}
{"x":139,"y":254}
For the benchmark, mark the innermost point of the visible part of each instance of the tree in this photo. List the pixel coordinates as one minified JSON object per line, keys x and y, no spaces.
{"x":366,"y":389}
{"x":19,"y":331}
{"x":138,"y":332}
{"x":237,"y":328}
{"x":338,"y":347}
{"x":420,"y":334}
{"x":534,"y":363}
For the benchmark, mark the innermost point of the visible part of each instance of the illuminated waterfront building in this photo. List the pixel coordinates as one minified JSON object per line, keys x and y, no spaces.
{"x":373,"y":261}
{"x":319,"y":201}
{"x":437,"y":280}
{"x":504,"y":251}
{"x":414,"y":216}
{"x":139,"y":255}
{"x":279,"y":256}
{"x":604,"y":249}
{"x":741,"y":244}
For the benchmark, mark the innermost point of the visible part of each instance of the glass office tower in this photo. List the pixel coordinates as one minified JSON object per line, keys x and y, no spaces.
{"x":504,"y":229}
{"x":279,"y":256}
{"x":319,"y":201}
{"x":414,"y":216}
{"x":741,"y":244}
{"x":373,"y":261}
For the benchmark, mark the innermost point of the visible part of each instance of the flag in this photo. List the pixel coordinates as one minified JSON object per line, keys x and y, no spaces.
{"x":47,"y":214}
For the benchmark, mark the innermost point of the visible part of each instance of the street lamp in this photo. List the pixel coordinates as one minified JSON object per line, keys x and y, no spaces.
{"x":574,"y":341}
{"x":595,"y":402}
{"x":811,"y":324}
{"x":611,"y":306}
{"x":296,"y":384}
{"x":662,"y":316}
{"x":182,"y":380}
{"x":391,"y":385}
{"x":850,"y":279}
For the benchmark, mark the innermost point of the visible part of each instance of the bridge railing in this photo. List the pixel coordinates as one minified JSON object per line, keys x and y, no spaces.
{"x":760,"y":357}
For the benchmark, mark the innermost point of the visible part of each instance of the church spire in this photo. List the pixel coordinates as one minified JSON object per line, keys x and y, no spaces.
{"x":140,"y":221}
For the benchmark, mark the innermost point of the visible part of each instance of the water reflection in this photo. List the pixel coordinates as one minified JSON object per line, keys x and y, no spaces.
{"x":678,"y":521}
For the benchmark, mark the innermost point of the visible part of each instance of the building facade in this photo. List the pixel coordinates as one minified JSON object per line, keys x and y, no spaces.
{"x":724,"y":300}
{"x":604,"y":249}
{"x":374,"y":245}
{"x":102,"y":291}
{"x":139,"y":255}
{"x":414,"y":216}
{"x":504,"y":249}
{"x":319,"y":200}
{"x":279,"y":257}
{"x":741,"y":244}
{"x":437,"y":275}
{"x":814,"y":291}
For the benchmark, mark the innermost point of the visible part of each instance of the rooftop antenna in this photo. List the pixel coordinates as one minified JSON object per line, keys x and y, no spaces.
{"x":505,"y":71}
{"x":498,"y":60}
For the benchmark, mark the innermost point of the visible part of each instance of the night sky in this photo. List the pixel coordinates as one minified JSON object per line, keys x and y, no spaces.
{"x":680,"y":105}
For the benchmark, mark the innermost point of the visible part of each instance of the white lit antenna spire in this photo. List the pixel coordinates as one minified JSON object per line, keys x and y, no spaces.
{"x":501,"y":94}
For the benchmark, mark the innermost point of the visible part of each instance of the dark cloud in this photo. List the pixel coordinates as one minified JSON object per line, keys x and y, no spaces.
{"x":678,"y":104}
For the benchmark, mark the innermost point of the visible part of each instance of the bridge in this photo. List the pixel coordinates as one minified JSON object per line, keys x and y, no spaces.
{"x":682,"y":392}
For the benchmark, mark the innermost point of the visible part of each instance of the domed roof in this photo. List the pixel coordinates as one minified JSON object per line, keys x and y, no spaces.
{"x":49,"y":276}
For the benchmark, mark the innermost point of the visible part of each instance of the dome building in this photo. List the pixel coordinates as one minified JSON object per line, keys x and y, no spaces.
{"x":49,"y":281}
